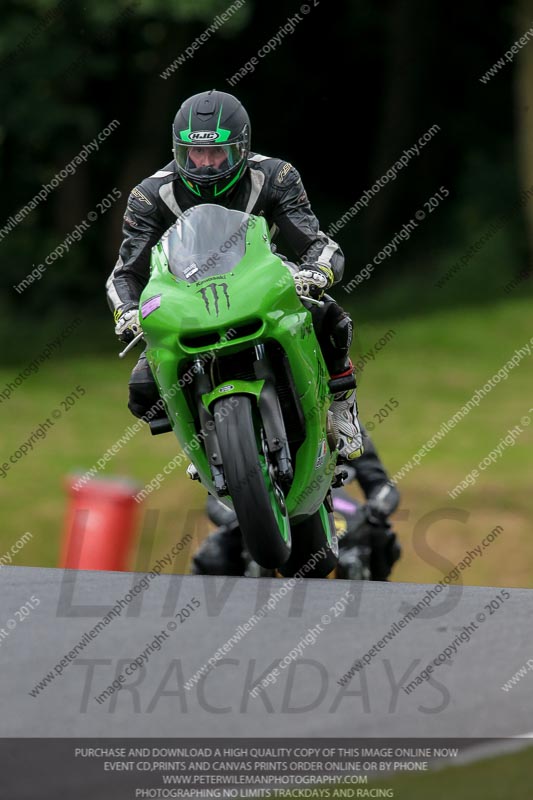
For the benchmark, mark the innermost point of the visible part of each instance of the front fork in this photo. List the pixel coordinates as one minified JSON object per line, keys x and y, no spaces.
{"x":202,"y":385}
{"x":272,"y":418}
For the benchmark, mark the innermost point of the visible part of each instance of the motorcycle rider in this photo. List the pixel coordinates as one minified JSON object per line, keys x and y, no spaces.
{"x":213,"y":164}
{"x":365,"y":527}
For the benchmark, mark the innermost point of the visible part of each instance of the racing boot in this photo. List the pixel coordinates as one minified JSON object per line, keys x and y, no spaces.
{"x":346,"y":425}
{"x":343,"y":411}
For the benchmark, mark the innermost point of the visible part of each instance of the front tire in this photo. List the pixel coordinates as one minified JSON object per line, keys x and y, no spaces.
{"x":258,"y":501}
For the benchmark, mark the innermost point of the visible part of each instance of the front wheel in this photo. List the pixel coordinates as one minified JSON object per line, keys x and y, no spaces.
{"x":257,"y":498}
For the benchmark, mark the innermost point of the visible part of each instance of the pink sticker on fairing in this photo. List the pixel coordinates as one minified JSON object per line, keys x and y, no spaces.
{"x":150,"y":305}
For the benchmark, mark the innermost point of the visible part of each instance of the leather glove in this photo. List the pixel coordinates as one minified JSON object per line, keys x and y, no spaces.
{"x":312,"y":280}
{"x":374,"y":514}
{"x":382,"y":504}
{"x":127,"y":324}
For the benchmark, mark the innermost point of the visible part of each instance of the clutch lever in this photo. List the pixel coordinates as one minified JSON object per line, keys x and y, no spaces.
{"x":131,"y":344}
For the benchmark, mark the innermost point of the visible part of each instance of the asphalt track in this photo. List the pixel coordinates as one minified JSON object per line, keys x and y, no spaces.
{"x":463,"y":699}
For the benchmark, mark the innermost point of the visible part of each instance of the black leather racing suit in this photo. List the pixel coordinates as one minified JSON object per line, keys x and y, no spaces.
{"x":270,"y":187}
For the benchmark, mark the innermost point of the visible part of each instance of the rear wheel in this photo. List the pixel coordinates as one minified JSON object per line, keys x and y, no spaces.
{"x":257,"y":498}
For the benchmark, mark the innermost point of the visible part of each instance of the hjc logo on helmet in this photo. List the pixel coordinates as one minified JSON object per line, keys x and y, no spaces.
{"x":203,"y":136}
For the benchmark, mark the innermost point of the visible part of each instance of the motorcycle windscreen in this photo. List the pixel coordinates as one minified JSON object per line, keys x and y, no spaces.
{"x":207,"y":240}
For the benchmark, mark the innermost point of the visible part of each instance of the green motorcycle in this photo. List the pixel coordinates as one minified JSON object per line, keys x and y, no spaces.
{"x":245,"y":388}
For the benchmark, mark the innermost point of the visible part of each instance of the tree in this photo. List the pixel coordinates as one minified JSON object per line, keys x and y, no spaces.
{"x":524,"y":111}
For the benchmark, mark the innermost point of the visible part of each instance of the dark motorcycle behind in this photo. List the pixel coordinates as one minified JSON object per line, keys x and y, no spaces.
{"x":368,"y":547}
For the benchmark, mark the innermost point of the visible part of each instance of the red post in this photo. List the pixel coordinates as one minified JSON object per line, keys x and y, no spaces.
{"x":100,"y":524}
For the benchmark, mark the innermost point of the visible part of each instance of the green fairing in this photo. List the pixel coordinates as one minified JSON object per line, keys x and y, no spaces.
{"x":258,"y":288}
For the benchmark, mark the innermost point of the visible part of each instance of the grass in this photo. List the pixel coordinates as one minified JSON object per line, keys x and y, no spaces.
{"x":506,"y":777}
{"x":431,"y":367}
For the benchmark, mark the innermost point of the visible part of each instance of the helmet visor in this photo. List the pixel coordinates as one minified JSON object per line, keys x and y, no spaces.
{"x":208,"y":163}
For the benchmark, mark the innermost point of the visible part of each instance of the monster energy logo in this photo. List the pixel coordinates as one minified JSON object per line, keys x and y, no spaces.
{"x":214,"y":287}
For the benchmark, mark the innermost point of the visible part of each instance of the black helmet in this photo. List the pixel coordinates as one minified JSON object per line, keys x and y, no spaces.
{"x":211,"y":137}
